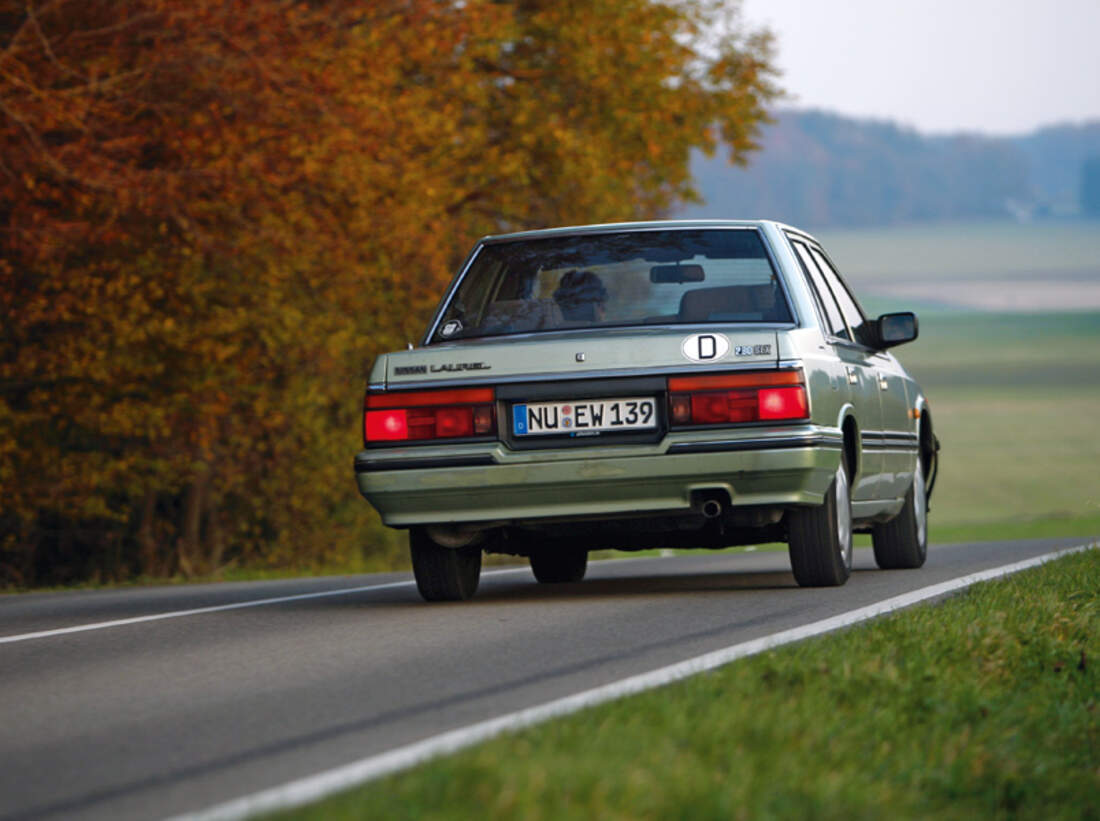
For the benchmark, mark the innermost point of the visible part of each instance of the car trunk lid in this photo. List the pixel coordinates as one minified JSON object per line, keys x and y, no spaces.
{"x":609,"y":352}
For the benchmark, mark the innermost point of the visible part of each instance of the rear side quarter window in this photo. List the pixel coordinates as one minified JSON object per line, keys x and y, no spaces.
{"x":853,"y":314}
{"x":833,"y":317}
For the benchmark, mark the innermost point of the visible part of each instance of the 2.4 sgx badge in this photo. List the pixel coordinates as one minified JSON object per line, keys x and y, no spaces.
{"x":752,"y":350}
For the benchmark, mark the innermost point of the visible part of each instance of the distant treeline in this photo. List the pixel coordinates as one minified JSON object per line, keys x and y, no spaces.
{"x":214,"y":215}
{"x":820,"y":169}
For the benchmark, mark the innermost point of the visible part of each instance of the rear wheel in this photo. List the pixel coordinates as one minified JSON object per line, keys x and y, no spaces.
{"x":820,"y":538}
{"x":443,"y":573}
{"x":556,"y":565}
{"x":902,"y":542}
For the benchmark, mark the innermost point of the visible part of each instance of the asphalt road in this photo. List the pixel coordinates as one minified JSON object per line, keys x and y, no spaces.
{"x":167,"y":715}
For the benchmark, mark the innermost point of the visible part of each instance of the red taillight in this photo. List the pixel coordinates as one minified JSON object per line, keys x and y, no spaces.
{"x":454,"y":422}
{"x":717,"y":399}
{"x":711,"y":407}
{"x":409,"y":399}
{"x":783,"y":403}
{"x":746,"y":379}
{"x":386,"y":425}
{"x":419,"y":415}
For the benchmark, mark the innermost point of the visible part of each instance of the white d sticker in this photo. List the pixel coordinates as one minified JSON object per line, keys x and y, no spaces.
{"x":704,"y":347}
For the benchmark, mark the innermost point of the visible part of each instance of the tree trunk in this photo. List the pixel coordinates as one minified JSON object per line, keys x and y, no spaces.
{"x":151,"y":562}
{"x":190,"y":543}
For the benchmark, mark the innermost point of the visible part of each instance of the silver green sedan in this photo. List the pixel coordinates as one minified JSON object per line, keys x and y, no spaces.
{"x":642,"y":385}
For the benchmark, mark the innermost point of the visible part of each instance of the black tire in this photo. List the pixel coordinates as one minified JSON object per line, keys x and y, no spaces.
{"x":558,"y":565}
{"x":902,"y":542}
{"x":443,"y":573}
{"x":820,"y":538}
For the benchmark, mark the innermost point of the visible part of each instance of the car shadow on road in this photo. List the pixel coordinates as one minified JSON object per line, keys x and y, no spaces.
{"x":519,"y":585}
{"x":648,"y":584}
{"x":522,"y":587}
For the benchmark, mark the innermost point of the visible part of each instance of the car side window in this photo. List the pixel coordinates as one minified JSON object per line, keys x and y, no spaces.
{"x":817,"y":299}
{"x":821,"y":291}
{"x":853,"y":314}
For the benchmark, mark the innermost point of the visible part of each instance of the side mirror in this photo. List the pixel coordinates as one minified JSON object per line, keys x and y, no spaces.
{"x":894,"y":329}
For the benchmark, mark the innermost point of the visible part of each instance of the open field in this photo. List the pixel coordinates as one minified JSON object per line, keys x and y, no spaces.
{"x":945,"y":251}
{"x":1009,"y":355}
{"x":1015,"y":400}
{"x":1044,"y":266}
{"x":1046,"y":355}
{"x":984,"y":706}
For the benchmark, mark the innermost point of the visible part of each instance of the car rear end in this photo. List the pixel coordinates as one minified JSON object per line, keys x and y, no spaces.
{"x":593,"y":435}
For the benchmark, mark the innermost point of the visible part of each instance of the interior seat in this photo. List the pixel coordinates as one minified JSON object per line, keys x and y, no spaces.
{"x":729,"y":303}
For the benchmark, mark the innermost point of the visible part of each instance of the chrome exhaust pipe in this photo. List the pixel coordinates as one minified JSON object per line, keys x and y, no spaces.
{"x":711,"y":509}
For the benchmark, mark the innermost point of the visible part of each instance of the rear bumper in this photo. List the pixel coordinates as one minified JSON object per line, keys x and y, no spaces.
{"x":489,"y":483}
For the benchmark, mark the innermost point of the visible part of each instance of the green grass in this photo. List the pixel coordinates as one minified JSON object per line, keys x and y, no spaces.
{"x":1023,"y":527}
{"x":1016,"y":404}
{"x":1016,"y":353}
{"x":1015,"y":396}
{"x":987,"y":705}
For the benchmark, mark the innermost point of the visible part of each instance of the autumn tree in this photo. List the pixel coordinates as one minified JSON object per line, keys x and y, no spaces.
{"x":213,"y":215}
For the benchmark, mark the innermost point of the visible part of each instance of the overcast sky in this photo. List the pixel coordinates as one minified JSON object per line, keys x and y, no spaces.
{"x":997,"y":66}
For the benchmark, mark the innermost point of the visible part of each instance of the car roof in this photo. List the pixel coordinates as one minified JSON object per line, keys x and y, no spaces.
{"x":651,"y":225}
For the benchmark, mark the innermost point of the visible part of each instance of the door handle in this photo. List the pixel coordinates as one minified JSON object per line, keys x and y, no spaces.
{"x":853,"y":376}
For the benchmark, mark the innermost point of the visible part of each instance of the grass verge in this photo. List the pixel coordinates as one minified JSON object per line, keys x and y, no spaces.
{"x":1049,"y":527}
{"x":983,"y":706}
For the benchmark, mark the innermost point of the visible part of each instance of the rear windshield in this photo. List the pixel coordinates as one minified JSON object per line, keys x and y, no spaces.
{"x":615,"y":279}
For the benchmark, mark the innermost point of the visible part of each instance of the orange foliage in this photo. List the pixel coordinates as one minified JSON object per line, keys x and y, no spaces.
{"x":214,"y":214}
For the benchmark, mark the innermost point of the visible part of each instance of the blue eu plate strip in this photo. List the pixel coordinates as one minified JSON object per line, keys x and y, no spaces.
{"x":519,"y":419}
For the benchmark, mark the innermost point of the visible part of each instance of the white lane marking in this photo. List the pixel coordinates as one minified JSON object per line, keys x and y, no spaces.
{"x":315,"y":787}
{"x":176,"y":614}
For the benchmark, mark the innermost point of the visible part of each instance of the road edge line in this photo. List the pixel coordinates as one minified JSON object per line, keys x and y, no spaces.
{"x":218,"y":608}
{"x":321,"y":785}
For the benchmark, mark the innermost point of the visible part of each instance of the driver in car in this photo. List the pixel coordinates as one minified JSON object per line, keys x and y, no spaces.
{"x":581,"y":296}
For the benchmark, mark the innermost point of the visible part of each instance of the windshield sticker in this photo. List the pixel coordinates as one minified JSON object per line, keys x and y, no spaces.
{"x":705,"y":347}
{"x":450,"y":328}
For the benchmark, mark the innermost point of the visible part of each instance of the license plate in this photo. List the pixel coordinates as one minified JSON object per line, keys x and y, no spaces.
{"x":585,"y":416}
